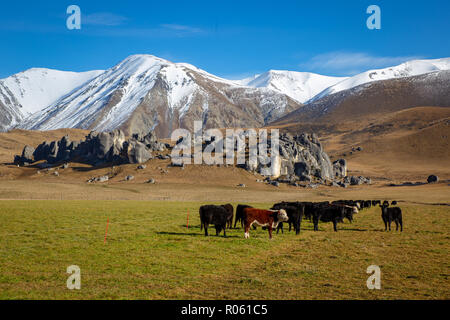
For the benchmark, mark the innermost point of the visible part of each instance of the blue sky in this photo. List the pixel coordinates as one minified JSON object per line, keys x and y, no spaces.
{"x":233,"y":39}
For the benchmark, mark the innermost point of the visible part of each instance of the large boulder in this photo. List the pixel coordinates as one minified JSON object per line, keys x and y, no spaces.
{"x":340,"y":168}
{"x":27,"y":154}
{"x":433,"y":179}
{"x":137,"y":152}
{"x":42,"y":151}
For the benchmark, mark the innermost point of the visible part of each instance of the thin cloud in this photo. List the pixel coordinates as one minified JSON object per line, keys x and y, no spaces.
{"x":181,"y":28}
{"x":350,"y":63}
{"x":103,"y":19}
{"x":160,"y":31}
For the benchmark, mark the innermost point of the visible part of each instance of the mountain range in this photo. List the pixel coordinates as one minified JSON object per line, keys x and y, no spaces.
{"x":144,"y":93}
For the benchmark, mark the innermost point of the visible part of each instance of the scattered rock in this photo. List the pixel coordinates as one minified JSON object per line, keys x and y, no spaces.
{"x":65,"y":166}
{"x":44,"y":165}
{"x":241,"y":185}
{"x":129,"y":178}
{"x":275,"y":183}
{"x":177,"y":164}
{"x":56,"y":173}
{"x":151,"y":181}
{"x":356,"y":181}
{"x":335,"y":184}
{"x":99,"y":179}
{"x":433,"y":179}
{"x":142,"y":167}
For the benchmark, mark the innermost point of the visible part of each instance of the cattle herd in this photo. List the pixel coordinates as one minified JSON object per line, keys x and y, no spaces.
{"x":221,"y":216}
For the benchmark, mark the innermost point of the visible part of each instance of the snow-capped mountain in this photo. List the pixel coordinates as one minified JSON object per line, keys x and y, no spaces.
{"x":373,"y":100}
{"x":407,"y":69}
{"x":28,"y":92}
{"x":300,"y":86}
{"x":145,"y":93}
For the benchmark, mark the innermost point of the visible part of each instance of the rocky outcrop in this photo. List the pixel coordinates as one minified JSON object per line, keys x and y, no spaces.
{"x":303,"y":158}
{"x":96,"y":149}
{"x":340,"y":168}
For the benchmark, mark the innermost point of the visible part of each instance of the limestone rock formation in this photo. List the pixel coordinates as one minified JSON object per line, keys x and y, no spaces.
{"x":96,"y":149}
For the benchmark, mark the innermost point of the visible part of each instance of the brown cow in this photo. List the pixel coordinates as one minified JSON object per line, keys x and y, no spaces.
{"x":265,"y":218}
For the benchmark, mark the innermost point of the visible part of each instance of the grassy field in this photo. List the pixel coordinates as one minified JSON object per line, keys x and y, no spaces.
{"x":150,"y":254}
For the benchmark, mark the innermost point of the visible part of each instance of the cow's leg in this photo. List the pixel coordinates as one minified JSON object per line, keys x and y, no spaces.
{"x":401,"y":224}
{"x":299,"y":224}
{"x":335,"y":225}
{"x":396,"y":225}
{"x":297,"y":229}
{"x":247,"y":230}
{"x":270,"y":231}
{"x":389,"y":223}
{"x":206,"y":229}
{"x":280,"y":227}
{"x":225,"y":232}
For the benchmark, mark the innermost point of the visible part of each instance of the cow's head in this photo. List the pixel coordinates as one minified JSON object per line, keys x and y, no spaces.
{"x":355,"y":210}
{"x":282,"y":215}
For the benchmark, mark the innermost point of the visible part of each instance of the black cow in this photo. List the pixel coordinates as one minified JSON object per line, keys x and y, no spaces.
{"x":351,"y":203}
{"x":230,"y":210}
{"x":391,"y":214}
{"x":216,"y":215}
{"x":394,"y":203}
{"x":308,"y":209}
{"x":240,"y":214}
{"x":295,"y":211}
{"x":331,"y":213}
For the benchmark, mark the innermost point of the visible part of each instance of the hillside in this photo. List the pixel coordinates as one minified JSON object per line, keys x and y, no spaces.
{"x":373,"y":100}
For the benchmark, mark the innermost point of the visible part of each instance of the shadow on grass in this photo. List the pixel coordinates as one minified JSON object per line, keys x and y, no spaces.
{"x":193,"y":234}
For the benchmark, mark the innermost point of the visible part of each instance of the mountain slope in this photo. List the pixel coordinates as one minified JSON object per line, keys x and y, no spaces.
{"x":372,"y":100}
{"x":28,"y":92}
{"x":407,"y":69}
{"x":300,"y":86}
{"x":145,"y":93}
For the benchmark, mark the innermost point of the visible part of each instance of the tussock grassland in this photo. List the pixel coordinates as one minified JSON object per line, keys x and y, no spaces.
{"x":150,"y":254}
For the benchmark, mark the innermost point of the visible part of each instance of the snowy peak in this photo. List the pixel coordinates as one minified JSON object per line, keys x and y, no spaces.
{"x":300,"y":86}
{"x":407,"y":69}
{"x":144,"y":92}
{"x":32,"y":90}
